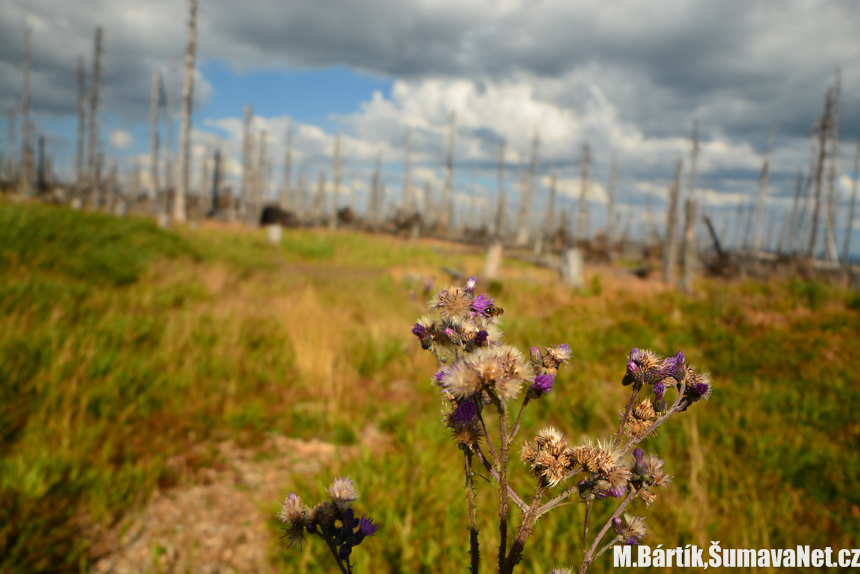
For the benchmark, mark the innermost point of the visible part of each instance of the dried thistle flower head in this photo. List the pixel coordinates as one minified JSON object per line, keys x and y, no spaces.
{"x":548,"y":456}
{"x":560,"y":570}
{"x":292,"y":509}
{"x":343,"y":493}
{"x":453,"y":303}
{"x":631,"y":529}
{"x":599,"y":457}
{"x":647,"y":497}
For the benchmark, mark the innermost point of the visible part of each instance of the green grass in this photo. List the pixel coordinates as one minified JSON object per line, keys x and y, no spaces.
{"x":122,"y":345}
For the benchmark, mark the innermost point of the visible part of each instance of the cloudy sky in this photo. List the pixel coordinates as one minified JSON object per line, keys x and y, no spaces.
{"x":627,"y":77}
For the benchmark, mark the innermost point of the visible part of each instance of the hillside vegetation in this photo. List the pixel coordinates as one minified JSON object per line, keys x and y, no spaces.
{"x":122,"y":345}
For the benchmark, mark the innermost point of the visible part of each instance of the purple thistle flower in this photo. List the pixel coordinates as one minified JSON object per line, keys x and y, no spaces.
{"x":441,"y":375}
{"x":543,"y":383}
{"x":617,"y":524}
{"x":481,"y":338}
{"x":481,"y":303}
{"x":700,"y":391}
{"x":639,"y":455}
{"x":366,"y":528}
{"x":659,"y":390}
{"x":617,"y":492}
{"x":471,"y":283}
{"x":465,"y":412}
{"x":632,"y":541}
{"x":419,"y":331}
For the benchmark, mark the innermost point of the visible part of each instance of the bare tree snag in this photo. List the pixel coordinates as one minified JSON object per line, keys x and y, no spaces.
{"x":670,"y":246}
{"x":93,"y":135}
{"x":179,"y":209}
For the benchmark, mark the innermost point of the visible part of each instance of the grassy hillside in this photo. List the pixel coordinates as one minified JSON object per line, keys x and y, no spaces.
{"x":122,"y":345}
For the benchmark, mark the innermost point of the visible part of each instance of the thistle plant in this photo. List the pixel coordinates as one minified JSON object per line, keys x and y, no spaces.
{"x":480,"y":376}
{"x":332,"y":520}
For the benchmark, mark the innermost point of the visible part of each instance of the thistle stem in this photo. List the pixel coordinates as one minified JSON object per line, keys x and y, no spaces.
{"x":474,"y":550}
{"x":333,"y":549}
{"x":486,"y":433}
{"x":516,"y":428}
{"x":585,"y":527}
{"x":494,"y":473}
{"x":503,"y":485}
{"x":633,"y":395}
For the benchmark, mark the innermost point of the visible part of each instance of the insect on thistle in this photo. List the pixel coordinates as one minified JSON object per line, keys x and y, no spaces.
{"x":493,"y":311}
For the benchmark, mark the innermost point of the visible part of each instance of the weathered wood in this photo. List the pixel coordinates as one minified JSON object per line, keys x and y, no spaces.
{"x":572,"y":269}
{"x":762,"y":193}
{"x":846,"y":258}
{"x":152,"y":191}
{"x":93,"y":134}
{"x":287,"y":202}
{"x":832,"y":172}
{"x":247,"y":165}
{"x":582,"y":220}
{"x":10,"y":148}
{"x":670,"y":245}
{"x":527,"y":194}
{"x":447,"y":200}
{"x":335,"y":196}
{"x":408,"y":196}
{"x":179,"y":208}
{"x":822,"y":150}
{"x":689,"y":257}
{"x":26,"y":125}
{"x":494,"y":260}
{"x":501,"y":208}
{"x":82,"y":119}
{"x":789,"y":226}
{"x":610,"y":207}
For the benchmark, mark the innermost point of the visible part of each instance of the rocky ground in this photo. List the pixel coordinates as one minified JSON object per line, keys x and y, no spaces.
{"x":217,"y":522}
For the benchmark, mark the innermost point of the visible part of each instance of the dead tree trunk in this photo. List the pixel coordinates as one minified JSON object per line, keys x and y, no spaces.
{"x":501,"y":214}
{"x":10,"y":149}
{"x":179,"y":210}
{"x":93,"y":135}
{"x":152,"y":192}
{"x":550,"y":205}
{"x":408,"y":198}
{"x":169,"y":111}
{"x":762,"y":193}
{"x":790,"y":225}
{"x":319,"y":199}
{"x":524,"y":221}
{"x":833,"y":168}
{"x":259,"y":186}
{"x":332,"y":224}
{"x":26,"y":125}
{"x":689,"y":257}
{"x":670,"y":246}
{"x":41,"y":167}
{"x":247,"y":166}
{"x":846,"y":260}
{"x":216,"y":181}
{"x":582,"y":221}
{"x":610,"y":208}
{"x":287,"y":202}
{"x":82,"y":118}
{"x":447,"y":202}
{"x":822,"y":150}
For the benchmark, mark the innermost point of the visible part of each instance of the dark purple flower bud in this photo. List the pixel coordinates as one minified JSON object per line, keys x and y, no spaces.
{"x":617,"y":524}
{"x":543,"y":383}
{"x":471,"y":283}
{"x":617,"y":492}
{"x":311,"y":528}
{"x":465,"y":412}
{"x":659,"y":390}
{"x":419,"y":331}
{"x":348,"y":517}
{"x":634,"y":354}
{"x":481,"y":338}
{"x":632,"y":541}
{"x":440,"y":375}
{"x":345,"y":551}
{"x":639,"y":467}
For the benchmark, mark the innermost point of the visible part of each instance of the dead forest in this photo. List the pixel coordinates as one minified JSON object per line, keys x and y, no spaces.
{"x":689,"y":238}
